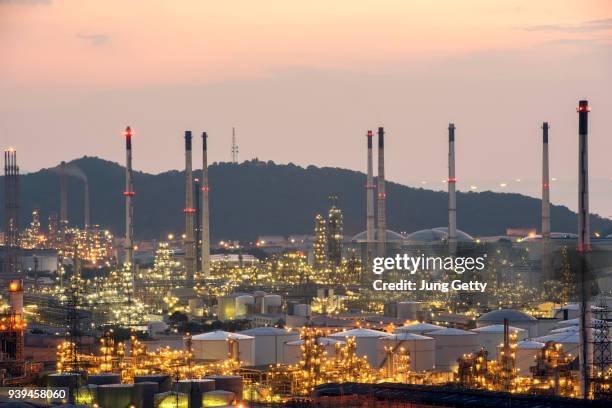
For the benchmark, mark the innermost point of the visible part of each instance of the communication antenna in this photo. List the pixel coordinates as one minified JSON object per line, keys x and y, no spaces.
{"x":234,"y":147}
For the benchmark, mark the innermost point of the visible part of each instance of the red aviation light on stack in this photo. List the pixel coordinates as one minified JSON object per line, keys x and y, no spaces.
{"x":452,"y":180}
{"x":369,"y":133}
{"x":189,"y":210}
{"x":129,"y":193}
{"x":128,"y":132}
{"x":205,"y":188}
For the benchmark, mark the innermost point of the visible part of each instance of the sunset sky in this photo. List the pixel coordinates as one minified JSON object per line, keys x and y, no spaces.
{"x":302,"y":81}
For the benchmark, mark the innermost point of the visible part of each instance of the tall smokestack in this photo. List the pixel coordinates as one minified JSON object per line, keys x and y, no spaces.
{"x":382,"y":195}
{"x":63,"y":195}
{"x":189,"y":213}
{"x":198,"y":222}
{"x":86,"y":210}
{"x":546,"y":260}
{"x":11,"y":264}
{"x":205,"y":220}
{"x":584,"y":247}
{"x":370,"y":203}
{"x":452,"y":193}
{"x":129,"y":205}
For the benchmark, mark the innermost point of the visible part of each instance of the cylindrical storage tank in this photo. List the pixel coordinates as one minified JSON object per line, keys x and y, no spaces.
{"x":231,"y":383}
{"x":114,"y":395}
{"x":144,"y":394}
{"x":516,"y":318}
{"x":526,"y":352}
{"x":409,"y":310}
{"x":194,"y":389}
{"x":368,"y":342}
{"x":171,"y":399}
{"x":163,"y":381}
{"x":215,"y":346}
{"x":218,"y":398}
{"x":272,"y":304}
{"x":490,"y":337}
{"x":245,"y":305}
{"x":16,"y":296}
{"x":302,"y":310}
{"x":422,"y":349}
{"x":570,"y":340}
{"x":72,"y":381}
{"x":418,"y":328}
{"x":270,"y":343}
{"x":293,"y":349}
{"x":104,"y":379}
{"x":452,"y":344}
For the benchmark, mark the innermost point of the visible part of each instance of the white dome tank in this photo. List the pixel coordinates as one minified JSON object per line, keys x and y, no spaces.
{"x":452,"y":344}
{"x":293,"y":349}
{"x":526,"y":352}
{"x":271,"y":304}
{"x":422,"y":349}
{"x":270,"y":343}
{"x":215,"y":346}
{"x":369,"y":343}
{"x":418,"y":328}
{"x":490,"y":337}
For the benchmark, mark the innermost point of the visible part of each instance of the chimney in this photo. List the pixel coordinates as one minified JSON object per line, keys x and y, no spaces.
{"x":452,"y":194}
{"x":370,"y":204}
{"x":11,"y":262}
{"x":86,"y":210}
{"x":382,"y":195}
{"x":189,"y":213}
{"x":584,"y":248}
{"x":546,"y":255}
{"x":63,"y":196}
{"x":129,"y":205}
{"x":204,"y":202}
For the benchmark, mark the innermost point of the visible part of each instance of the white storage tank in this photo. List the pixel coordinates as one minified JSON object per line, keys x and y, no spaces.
{"x":245,"y":305}
{"x":302,"y":310}
{"x":570,"y":340}
{"x":272,"y":304}
{"x":368,"y":342}
{"x":418,"y":328}
{"x":422,"y":349}
{"x":293,"y":350}
{"x":215,"y":346}
{"x":409,"y":310}
{"x":270,"y":343}
{"x":526,"y":352}
{"x":515,"y":318}
{"x":490,"y":337}
{"x":452,"y":344}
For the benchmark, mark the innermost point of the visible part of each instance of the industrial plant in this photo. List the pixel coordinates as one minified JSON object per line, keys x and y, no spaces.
{"x":193,"y":320}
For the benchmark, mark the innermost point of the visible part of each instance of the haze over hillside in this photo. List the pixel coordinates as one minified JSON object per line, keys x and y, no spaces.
{"x":256,"y":198}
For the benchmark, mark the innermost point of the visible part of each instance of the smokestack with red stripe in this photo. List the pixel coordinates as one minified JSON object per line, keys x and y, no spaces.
{"x":370,"y":202}
{"x":584,"y":247}
{"x":382,"y":195}
{"x":189,"y":213}
{"x":545,"y":184}
{"x":452,"y":193}
{"x":205,"y":210}
{"x":546,"y":256}
{"x":129,"y":205}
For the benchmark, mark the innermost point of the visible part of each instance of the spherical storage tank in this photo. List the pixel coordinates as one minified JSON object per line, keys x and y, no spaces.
{"x":422,"y":349}
{"x":490,"y":337}
{"x":293,"y":350}
{"x":217,"y":345}
{"x":452,"y":344}
{"x":418,"y":328}
{"x":368,"y":342}
{"x":270,"y":343}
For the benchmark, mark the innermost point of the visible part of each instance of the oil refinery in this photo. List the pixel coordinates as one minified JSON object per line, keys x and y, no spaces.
{"x":305,"y":320}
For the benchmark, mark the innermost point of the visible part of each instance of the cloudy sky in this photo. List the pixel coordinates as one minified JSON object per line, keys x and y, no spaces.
{"x":302,"y":81}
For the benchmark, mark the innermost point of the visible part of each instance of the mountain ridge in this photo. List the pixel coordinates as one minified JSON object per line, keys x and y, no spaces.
{"x":263,"y":198}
